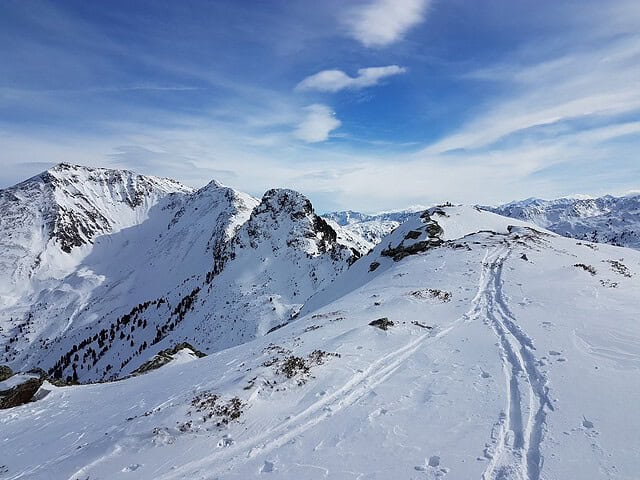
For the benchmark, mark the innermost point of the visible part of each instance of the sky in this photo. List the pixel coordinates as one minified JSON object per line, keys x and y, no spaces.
{"x":367,"y":105}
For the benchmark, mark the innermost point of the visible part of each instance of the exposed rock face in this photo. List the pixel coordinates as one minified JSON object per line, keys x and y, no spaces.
{"x":5,"y":372}
{"x":382,"y":323}
{"x":165,"y":356}
{"x":418,"y":240}
{"x":285,"y":221}
{"x":18,"y":390}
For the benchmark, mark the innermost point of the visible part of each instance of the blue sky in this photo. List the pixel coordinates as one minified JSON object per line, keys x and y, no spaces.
{"x":369,"y":105}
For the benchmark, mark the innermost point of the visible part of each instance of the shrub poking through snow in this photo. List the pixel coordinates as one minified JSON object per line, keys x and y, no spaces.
{"x":586,"y":268}
{"x":432,"y":293}
{"x":619,"y":267}
{"x":5,"y":372}
{"x":293,"y":366}
{"x":382,"y":323}
{"x":318,"y":357}
{"x":212,"y":407}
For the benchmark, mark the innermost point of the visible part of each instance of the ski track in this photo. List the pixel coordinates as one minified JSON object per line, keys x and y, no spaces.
{"x":515,"y":453}
{"x":355,"y":389}
{"x":352,"y":391}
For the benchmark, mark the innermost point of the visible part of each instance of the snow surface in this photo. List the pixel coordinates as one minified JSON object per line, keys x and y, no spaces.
{"x":509,"y":358}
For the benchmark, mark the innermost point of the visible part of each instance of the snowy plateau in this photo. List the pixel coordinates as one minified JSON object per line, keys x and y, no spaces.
{"x":173,"y":333}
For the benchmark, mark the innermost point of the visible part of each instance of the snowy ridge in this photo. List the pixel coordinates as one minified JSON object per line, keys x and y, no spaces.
{"x":447,"y":225}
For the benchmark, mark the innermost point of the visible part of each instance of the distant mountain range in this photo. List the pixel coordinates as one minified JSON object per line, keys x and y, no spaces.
{"x":607,"y":219}
{"x":370,"y":229}
{"x":613,"y":220}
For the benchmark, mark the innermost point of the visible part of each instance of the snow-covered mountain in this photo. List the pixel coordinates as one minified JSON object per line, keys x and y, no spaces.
{"x":62,"y":211}
{"x":464,"y":345}
{"x":367,"y":230}
{"x":105,"y":268}
{"x":613,"y":220}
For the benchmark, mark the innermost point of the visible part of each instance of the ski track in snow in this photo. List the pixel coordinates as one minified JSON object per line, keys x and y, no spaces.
{"x":352,"y":391}
{"x":355,"y":389}
{"x":515,"y":452}
{"x":516,"y":437}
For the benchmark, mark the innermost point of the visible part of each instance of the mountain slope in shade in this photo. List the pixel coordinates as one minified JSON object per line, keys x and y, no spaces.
{"x":509,"y":353}
{"x":50,"y":222}
{"x":132,"y":291}
{"x":613,"y":220}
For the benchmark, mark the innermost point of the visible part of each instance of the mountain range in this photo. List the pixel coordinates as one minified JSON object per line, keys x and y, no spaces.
{"x":106,"y":268}
{"x":181,"y":333}
{"x":608,"y":219}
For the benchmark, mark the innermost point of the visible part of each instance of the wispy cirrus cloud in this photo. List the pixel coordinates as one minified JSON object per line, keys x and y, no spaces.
{"x":588,"y":86}
{"x":382,"y":22}
{"x":317,"y":124}
{"x":336,"y":80}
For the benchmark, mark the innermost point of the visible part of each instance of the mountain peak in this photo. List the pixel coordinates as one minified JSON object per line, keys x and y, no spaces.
{"x":65,"y":166}
{"x":212,"y":185}
{"x":286,"y":201}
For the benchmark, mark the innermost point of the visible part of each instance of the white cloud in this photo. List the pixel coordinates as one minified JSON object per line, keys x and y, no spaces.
{"x":318,"y":123}
{"x":382,"y":22}
{"x":335,"y":80}
{"x":595,"y":83}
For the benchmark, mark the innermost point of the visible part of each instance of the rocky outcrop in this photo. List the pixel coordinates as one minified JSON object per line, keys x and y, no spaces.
{"x":5,"y":372}
{"x":418,"y":240}
{"x":18,"y":390}
{"x":165,"y":356}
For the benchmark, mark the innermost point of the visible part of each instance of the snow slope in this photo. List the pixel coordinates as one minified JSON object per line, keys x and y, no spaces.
{"x":614,"y":220}
{"x":513,"y":354}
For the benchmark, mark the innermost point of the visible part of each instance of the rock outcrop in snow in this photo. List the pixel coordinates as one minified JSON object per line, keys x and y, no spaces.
{"x":18,"y":389}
